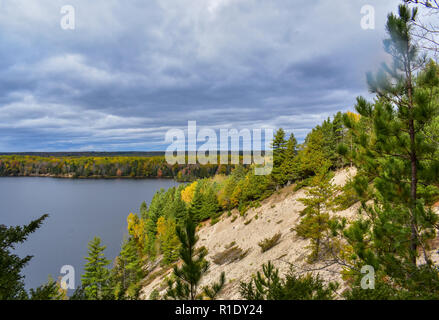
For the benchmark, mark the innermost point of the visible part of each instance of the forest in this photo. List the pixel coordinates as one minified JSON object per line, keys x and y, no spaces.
{"x":114,"y":166}
{"x":393,"y":141}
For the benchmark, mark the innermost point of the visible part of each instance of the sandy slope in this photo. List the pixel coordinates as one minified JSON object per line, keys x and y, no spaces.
{"x":279,"y":213}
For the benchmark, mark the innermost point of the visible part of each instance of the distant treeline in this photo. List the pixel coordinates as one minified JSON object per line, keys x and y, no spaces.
{"x":105,"y":167}
{"x":100,"y":153}
{"x":87,"y":154}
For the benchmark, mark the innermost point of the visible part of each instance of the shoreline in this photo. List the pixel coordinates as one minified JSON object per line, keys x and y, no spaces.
{"x":90,"y":177}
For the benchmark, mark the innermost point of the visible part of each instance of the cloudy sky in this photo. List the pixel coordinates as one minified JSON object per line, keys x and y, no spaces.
{"x":131,"y":70}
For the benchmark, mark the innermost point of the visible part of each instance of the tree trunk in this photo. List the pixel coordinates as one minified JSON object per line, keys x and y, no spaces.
{"x":413,"y":162}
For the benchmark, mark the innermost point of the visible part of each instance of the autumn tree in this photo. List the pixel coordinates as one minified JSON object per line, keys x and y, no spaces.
{"x":136,"y":229}
{"x":96,"y":276}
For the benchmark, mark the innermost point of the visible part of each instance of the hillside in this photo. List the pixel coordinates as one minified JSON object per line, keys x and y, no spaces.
{"x":277,"y":214}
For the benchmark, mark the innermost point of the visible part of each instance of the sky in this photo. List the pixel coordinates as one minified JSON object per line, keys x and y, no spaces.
{"x":130,"y":71}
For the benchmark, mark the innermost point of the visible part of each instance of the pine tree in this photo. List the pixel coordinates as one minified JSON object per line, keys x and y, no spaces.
{"x":312,"y":157}
{"x":315,"y":222}
{"x":11,"y":278}
{"x":397,"y":157}
{"x":96,"y":276}
{"x":144,"y":210}
{"x":154,"y":213}
{"x":197,"y":209}
{"x":289,"y":166}
{"x":50,"y":291}
{"x":180,"y":210}
{"x":279,"y":146}
{"x":210,"y":203}
{"x":169,"y":243}
{"x":194,"y":266}
{"x":268,"y":285}
{"x":127,"y":272}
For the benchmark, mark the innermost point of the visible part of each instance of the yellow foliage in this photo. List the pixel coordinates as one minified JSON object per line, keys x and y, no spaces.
{"x":236,"y":195}
{"x":161,"y":226}
{"x":188,"y":193}
{"x":136,"y":228}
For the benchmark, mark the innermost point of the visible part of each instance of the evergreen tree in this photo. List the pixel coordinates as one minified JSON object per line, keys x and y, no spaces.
{"x":194,"y":266}
{"x":279,"y":146}
{"x":11,"y":278}
{"x":289,"y":166}
{"x":169,"y":242}
{"x":312,"y":157}
{"x":396,"y":156}
{"x":197,"y":209}
{"x":144,"y":210}
{"x":154,"y":213}
{"x":50,"y":291}
{"x":210,"y":203}
{"x":127,"y":272}
{"x":96,"y":276}
{"x":180,"y":210}
{"x":427,"y":32}
{"x":268,"y":285}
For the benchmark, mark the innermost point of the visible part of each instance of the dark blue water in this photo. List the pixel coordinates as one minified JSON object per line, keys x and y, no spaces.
{"x":78,"y":210}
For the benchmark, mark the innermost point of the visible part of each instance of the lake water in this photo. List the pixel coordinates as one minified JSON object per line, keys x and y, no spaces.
{"x":78,"y":210}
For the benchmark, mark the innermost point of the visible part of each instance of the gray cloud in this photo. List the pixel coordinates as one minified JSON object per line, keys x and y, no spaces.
{"x":131,"y":71}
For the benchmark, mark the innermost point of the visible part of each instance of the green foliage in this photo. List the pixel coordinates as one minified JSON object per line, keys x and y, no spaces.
{"x":315,"y":221}
{"x":279,"y":146}
{"x":423,"y":285}
{"x":215,"y":289}
{"x":197,"y":208}
{"x":348,"y":196}
{"x":96,"y":277}
{"x":269,"y":243}
{"x":232,"y":254}
{"x":168,"y":240}
{"x":49,"y":291}
{"x":11,"y":278}
{"x":268,"y":285}
{"x":312,"y":157}
{"x":127,"y":272}
{"x":398,"y":167}
{"x":289,"y":167}
{"x":154,"y":295}
{"x":144,"y":210}
{"x":105,"y":167}
{"x":194,"y":266}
